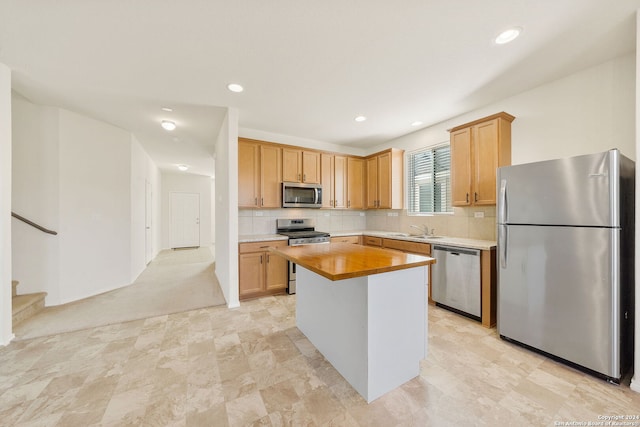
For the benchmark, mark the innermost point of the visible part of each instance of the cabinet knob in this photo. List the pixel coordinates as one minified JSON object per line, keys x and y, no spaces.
{"x":467,"y":197}
{"x":262,"y":201}
{"x":255,"y":201}
{"x":475,"y":197}
{"x":304,"y":177}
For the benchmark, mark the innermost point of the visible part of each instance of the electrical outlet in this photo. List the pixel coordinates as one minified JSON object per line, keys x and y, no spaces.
{"x":259,"y":213}
{"x":389,"y":213}
{"x":327,"y":214}
{"x":361,"y":213}
{"x":478,"y":215}
{"x":394,"y":213}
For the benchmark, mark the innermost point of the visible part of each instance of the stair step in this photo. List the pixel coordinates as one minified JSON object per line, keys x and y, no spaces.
{"x":27,"y":305}
{"x":14,"y":288}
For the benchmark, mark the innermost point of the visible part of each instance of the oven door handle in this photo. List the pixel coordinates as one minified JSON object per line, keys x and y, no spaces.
{"x":317,"y":196}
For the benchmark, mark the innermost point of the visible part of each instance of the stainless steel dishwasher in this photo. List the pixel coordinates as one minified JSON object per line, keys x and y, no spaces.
{"x":456,"y":279}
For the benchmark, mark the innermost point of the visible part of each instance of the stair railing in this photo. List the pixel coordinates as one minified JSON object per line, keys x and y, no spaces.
{"x":33,"y":224}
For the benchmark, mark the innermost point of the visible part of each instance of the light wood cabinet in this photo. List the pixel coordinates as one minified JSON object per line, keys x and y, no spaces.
{"x":261,"y":272}
{"x":248,"y":174}
{"x":372,"y":241}
{"x":259,"y":174}
{"x":413,"y":248}
{"x":384,"y":184}
{"x":355,"y":186}
{"x":356,"y":240}
{"x":333,"y":180}
{"x":300,"y":166}
{"x":478,"y":148}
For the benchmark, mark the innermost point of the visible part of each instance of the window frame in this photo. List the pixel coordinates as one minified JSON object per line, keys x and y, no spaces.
{"x":408,"y":179}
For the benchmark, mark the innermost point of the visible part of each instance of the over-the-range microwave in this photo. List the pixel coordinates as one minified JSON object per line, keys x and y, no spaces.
{"x":301,"y":195}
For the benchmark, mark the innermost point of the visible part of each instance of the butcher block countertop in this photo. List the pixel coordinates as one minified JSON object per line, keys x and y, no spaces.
{"x":338,"y":261}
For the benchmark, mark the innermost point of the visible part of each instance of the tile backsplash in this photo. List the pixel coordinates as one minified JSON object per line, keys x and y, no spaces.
{"x":472,"y":223}
{"x":252,"y":221}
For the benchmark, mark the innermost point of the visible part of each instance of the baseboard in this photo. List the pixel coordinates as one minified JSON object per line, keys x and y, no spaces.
{"x":635,"y":384}
{"x":10,"y":338}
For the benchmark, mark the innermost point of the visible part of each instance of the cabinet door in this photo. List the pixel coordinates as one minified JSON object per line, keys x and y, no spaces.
{"x":372,"y":183}
{"x":485,"y":153}
{"x":277,"y":272}
{"x":384,"y":181}
{"x":326,"y":175}
{"x":355,"y":176}
{"x":340,"y":182}
{"x":248,"y":174}
{"x":251,"y":273}
{"x":311,"y":167}
{"x":461,"y":167}
{"x":270,"y":176}
{"x":291,"y":165}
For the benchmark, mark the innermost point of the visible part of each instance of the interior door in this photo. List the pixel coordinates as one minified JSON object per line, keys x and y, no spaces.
{"x":148,"y":207}
{"x":185,"y":220}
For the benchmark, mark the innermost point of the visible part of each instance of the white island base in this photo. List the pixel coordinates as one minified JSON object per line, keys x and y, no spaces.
{"x":372,"y":329}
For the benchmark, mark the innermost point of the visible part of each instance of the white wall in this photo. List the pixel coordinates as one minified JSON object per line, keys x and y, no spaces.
{"x":95,"y":207}
{"x":35,"y":192}
{"x":186,"y":183}
{"x":226,"y":249}
{"x":586,"y":112}
{"x":143,"y":170}
{"x":5,"y":206}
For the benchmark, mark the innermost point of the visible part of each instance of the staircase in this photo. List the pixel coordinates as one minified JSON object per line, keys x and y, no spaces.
{"x":25,"y":306}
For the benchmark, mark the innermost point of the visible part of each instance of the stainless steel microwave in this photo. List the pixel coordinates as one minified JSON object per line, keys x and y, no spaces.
{"x":300,"y":195}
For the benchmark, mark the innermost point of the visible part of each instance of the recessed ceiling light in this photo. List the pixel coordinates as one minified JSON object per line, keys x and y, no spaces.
{"x":183,"y":167}
{"x":360,"y":119}
{"x":167,"y":109}
{"x":168,"y":125}
{"x":235,"y":87}
{"x":418,"y":123}
{"x":508,"y":35}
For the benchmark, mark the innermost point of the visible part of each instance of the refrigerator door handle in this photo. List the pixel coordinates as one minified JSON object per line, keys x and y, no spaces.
{"x":502,"y":245}
{"x":502,"y":213}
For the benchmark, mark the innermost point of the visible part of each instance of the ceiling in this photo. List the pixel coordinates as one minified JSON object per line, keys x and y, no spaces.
{"x":308,"y":68}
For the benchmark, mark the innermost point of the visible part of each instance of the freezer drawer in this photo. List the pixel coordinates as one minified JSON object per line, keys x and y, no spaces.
{"x":456,"y":279}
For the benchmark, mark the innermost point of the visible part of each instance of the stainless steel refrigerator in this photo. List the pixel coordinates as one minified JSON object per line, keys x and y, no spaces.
{"x":565,"y":259}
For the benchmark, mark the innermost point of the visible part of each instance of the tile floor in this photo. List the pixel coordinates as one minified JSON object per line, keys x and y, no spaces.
{"x":251,"y":366}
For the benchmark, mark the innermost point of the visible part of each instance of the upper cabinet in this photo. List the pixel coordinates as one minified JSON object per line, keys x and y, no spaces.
{"x":478,"y":149}
{"x":259,"y":174}
{"x":333,"y":180}
{"x":300,"y":166}
{"x":384,"y":184}
{"x":355,"y":183}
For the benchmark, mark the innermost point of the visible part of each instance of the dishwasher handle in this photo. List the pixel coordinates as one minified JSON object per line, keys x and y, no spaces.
{"x":456,"y":251}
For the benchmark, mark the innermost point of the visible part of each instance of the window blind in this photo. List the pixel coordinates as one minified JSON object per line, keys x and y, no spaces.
{"x":429,"y":179}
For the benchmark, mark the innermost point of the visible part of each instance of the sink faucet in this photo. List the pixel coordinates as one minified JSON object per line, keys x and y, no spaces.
{"x":424,"y":230}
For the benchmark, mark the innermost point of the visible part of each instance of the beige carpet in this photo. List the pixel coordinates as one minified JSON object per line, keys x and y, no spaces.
{"x":175,"y":281}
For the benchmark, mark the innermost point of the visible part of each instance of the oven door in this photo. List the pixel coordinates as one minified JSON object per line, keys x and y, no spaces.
{"x":291,"y":289}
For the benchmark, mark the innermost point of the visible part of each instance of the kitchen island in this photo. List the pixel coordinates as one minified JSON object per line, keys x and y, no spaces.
{"x":364,"y":309}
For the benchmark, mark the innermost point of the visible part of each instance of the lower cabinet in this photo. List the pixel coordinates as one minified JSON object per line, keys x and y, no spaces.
{"x":413,"y":248}
{"x":372,"y":241}
{"x":261,"y":272}
{"x":347,"y":239}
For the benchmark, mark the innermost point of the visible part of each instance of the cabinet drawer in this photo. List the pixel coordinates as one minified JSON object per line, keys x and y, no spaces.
{"x":413,"y":247}
{"x":261,"y":246}
{"x":372,"y":241}
{"x":346,"y":239}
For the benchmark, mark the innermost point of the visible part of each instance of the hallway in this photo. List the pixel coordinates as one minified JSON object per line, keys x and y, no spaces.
{"x":175,"y":281}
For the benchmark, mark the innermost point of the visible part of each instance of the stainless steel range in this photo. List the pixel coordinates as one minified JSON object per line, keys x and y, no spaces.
{"x":300,"y":232}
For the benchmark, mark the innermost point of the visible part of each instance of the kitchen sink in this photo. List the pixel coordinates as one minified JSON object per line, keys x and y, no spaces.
{"x":399,"y":234}
{"x":427,"y":237}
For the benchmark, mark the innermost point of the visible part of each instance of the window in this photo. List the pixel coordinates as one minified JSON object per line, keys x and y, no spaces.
{"x":429,"y":180}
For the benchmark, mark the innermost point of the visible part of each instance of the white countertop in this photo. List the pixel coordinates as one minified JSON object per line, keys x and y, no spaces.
{"x":442,"y":240}
{"x":460,"y":242}
{"x":250,"y":238}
